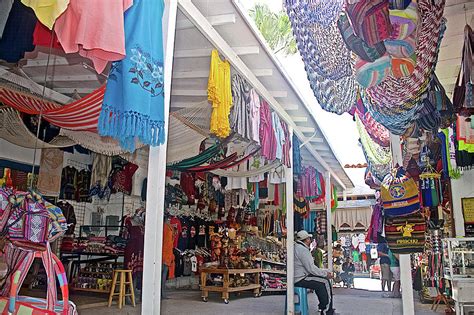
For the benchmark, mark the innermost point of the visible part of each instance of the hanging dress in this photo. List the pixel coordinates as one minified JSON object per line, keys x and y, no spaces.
{"x":133,"y":107}
{"x":47,"y":11}
{"x":95,"y":29}
{"x":219,"y":93}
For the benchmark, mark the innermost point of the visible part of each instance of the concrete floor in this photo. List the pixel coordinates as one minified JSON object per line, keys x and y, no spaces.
{"x":347,"y":302}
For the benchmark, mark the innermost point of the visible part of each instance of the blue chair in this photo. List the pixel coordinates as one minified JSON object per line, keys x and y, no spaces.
{"x":301,"y":301}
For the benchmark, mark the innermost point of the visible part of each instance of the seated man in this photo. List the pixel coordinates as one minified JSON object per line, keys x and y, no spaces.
{"x":348,"y":270}
{"x":307,"y":275}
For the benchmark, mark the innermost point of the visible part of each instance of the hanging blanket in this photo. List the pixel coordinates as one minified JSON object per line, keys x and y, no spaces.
{"x":133,"y":106}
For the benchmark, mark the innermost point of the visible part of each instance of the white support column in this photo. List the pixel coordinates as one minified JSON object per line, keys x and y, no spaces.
{"x":152,"y":260}
{"x":327,"y":179}
{"x":290,"y":233}
{"x":405,"y":262}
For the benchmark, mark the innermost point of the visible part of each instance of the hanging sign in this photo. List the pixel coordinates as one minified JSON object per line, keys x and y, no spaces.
{"x":468,"y":214}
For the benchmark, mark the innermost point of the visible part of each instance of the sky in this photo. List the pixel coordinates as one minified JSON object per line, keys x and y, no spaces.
{"x":340,"y":130}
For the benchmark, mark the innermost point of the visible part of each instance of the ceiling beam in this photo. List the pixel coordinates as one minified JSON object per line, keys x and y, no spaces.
{"x":195,"y":74}
{"x":280,"y":94}
{"x":66,"y":78}
{"x":316,"y":140}
{"x":54,"y":61}
{"x":188,"y":92}
{"x":33,"y":86}
{"x":199,"y":20}
{"x":290,"y":107}
{"x":206,"y":52}
{"x":299,"y":119}
{"x":189,"y":104}
{"x":74,"y":90}
{"x":214,"y":20}
{"x":306,"y":129}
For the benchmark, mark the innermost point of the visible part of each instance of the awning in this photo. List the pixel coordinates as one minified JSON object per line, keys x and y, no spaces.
{"x":352,"y":218}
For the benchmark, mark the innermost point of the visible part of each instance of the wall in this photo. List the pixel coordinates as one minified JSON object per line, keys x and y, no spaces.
{"x":461,"y":188}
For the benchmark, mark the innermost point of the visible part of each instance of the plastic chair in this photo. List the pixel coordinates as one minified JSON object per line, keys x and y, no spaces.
{"x":301,"y":302}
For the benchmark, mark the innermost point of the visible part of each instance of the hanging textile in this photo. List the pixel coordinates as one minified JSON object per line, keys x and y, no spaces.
{"x":78,"y":115}
{"x":375,"y":130}
{"x":199,"y":159}
{"x":47,"y":11}
{"x":17,"y":37}
{"x":399,"y":194}
{"x":49,"y":177}
{"x":5,"y":7}
{"x":296,"y":156}
{"x":240,"y":115}
{"x":219,"y":93}
{"x":405,"y":91}
{"x":334,"y":201}
{"x":133,"y":108}
{"x":463,"y":89}
{"x":95,"y":30}
{"x":267,"y":134}
{"x":376,"y":154}
{"x":254,"y":172}
{"x":327,"y":60}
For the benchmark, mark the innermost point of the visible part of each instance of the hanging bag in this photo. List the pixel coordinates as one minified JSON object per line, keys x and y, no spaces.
{"x":406,"y":234}
{"x":23,"y":305}
{"x":29,"y":222}
{"x":462,"y":97}
{"x":399,"y":194}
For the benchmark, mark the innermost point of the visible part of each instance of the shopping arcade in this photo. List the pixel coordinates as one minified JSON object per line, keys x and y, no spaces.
{"x":255,"y":53}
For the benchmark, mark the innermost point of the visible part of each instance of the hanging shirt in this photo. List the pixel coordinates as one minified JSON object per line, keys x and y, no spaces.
{"x":17,"y":35}
{"x":168,"y":256}
{"x":255,"y":115}
{"x":176,"y":224}
{"x":5,"y":7}
{"x":95,"y":29}
{"x":47,"y":11}
{"x":133,"y":107}
{"x":267,"y":135}
{"x":279,"y":136}
{"x":240,"y":115}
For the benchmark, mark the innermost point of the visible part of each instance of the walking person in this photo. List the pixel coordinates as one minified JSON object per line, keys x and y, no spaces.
{"x":385,"y":273}
{"x":308,"y":275}
{"x":395,"y":269}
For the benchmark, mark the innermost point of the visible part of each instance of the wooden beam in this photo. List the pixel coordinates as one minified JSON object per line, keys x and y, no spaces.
{"x":299,"y":119}
{"x":279,"y":94}
{"x":74,"y":90}
{"x":54,"y":61}
{"x":316,"y":140}
{"x":206,"y":52}
{"x":186,"y":92}
{"x":200,"y":21}
{"x":305,"y":129}
{"x":66,"y":78}
{"x":214,"y":20}
{"x":290,"y":107}
{"x":189,"y":104}
{"x":196,"y":74}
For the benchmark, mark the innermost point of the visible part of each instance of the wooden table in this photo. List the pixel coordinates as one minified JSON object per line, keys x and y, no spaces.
{"x":226,"y":289}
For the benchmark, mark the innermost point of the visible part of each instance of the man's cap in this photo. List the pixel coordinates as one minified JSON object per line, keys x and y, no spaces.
{"x":302,"y":235}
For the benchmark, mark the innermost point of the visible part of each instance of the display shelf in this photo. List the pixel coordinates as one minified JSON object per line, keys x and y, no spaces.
{"x":280,"y":272}
{"x":270,"y":262}
{"x":89,"y":290}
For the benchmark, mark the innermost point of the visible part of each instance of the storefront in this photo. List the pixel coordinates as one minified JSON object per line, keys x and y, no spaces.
{"x":209,"y":197}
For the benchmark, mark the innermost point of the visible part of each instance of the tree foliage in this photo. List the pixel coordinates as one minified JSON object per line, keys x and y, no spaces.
{"x":275,"y":28}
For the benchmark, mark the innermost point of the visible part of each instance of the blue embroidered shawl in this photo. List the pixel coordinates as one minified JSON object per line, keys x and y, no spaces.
{"x":133,"y":108}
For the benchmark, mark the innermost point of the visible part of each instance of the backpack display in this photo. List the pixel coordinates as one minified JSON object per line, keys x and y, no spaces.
{"x":406,"y":234}
{"x":399,"y":194}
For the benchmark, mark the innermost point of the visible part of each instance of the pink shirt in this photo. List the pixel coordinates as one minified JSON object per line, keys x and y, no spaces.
{"x":95,"y":29}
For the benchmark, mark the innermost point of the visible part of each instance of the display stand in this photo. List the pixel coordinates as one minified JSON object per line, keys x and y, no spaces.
{"x":459,"y":270}
{"x":278,"y":271}
{"x":225,"y":288}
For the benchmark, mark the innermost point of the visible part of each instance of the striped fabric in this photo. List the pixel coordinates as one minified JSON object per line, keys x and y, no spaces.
{"x":405,"y":235}
{"x":78,"y":115}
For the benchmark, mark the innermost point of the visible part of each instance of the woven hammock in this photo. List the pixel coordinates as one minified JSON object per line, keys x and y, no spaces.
{"x":327,"y":60}
{"x":376,"y":154}
{"x":264,"y":169}
{"x":377,"y":132}
{"x":13,"y":129}
{"x":404,"y":91}
{"x":78,"y":115}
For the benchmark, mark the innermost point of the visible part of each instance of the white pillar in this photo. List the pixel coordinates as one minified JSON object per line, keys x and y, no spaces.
{"x":327,"y":179}
{"x":151,"y":292}
{"x":405,"y":262}
{"x":290,"y":233}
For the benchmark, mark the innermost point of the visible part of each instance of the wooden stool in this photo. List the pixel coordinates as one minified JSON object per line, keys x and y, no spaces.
{"x":122,"y":288}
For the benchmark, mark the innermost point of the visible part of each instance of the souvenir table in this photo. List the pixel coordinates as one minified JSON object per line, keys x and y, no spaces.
{"x":225,"y":288}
